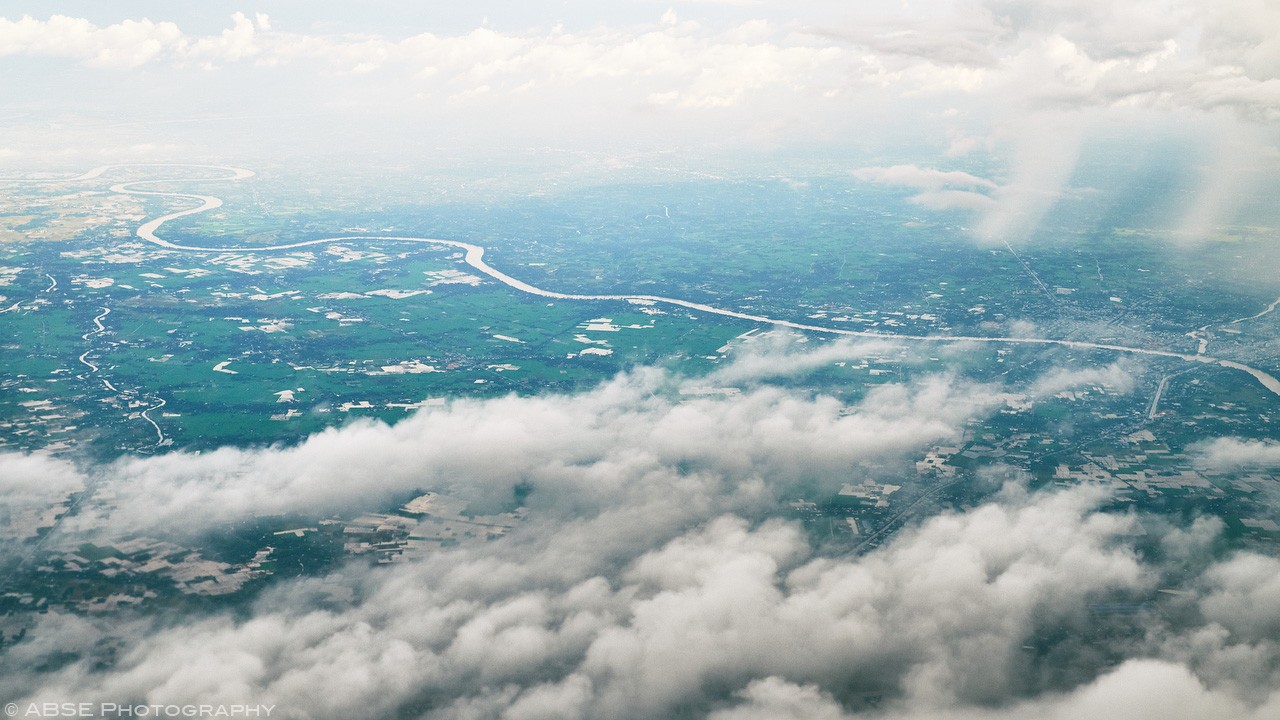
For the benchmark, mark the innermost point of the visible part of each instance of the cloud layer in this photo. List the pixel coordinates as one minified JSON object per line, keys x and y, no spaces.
{"x":585,"y":452}
{"x":654,"y":577}
{"x":804,"y":69}
{"x":1157,"y":52}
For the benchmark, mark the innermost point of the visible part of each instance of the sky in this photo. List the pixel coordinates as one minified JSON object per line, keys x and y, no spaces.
{"x":1014,"y":92}
{"x":737,"y":77}
{"x":649,"y":581}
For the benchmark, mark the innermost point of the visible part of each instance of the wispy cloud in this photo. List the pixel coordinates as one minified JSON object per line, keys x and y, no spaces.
{"x":941,"y":189}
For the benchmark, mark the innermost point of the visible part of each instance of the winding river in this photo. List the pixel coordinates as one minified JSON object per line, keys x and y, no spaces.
{"x":474,"y":256}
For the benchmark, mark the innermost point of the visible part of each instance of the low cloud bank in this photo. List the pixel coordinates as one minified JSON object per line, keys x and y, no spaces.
{"x":631,"y":442}
{"x":654,"y":580}
{"x":1236,"y":453}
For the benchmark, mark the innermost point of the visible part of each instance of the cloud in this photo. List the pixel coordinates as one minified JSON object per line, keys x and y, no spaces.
{"x":943,"y":189}
{"x":127,"y":44}
{"x":30,"y":485}
{"x":1225,"y":454}
{"x":1242,"y":598}
{"x":1118,"y":377}
{"x":954,"y":200}
{"x":709,"y":607}
{"x":1076,"y":53}
{"x":704,"y":88}
{"x":236,"y":43}
{"x":776,"y":354}
{"x":32,"y":480}
{"x":731,"y":619}
{"x":1241,"y":33}
{"x":1137,"y":690}
{"x":654,"y":577}
{"x":1106,"y":31}
{"x":773,"y":698}
{"x":702,"y":70}
{"x":580,"y":452}
{"x":922,"y":178}
{"x":1079,"y":53}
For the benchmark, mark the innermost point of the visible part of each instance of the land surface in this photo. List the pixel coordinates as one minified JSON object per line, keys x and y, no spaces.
{"x":145,"y":316}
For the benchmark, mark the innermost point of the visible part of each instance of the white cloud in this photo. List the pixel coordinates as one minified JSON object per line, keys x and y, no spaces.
{"x":1137,"y":690}
{"x":689,"y":611}
{"x":943,"y":189}
{"x":1078,"y":53}
{"x":36,"y":479}
{"x":1242,"y":33}
{"x":236,"y":43}
{"x":778,"y":354}
{"x":1118,"y":377}
{"x":730,"y":618}
{"x":595,"y":447}
{"x":923,"y":178}
{"x":127,"y":44}
{"x":776,"y":76}
{"x":708,"y":70}
{"x":29,"y":486}
{"x":954,"y":200}
{"x":1234,"y":453}
{"x":649,"y":578}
